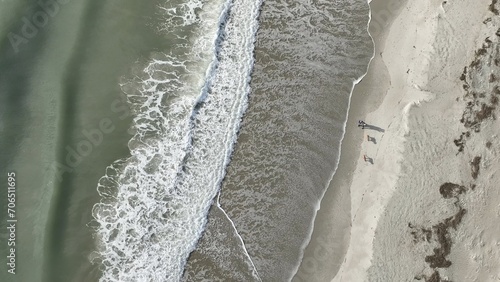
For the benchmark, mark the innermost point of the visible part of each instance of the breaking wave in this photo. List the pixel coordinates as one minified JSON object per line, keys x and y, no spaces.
{"x":187,"y":103}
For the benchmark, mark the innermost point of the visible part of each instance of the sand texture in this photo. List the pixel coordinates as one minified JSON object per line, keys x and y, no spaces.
{"x":424,"y":203}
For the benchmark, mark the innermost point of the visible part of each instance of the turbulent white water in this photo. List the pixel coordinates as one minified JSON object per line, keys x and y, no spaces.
{"x":187,"y":105}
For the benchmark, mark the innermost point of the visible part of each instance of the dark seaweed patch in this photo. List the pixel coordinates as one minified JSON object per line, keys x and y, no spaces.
{"x":450,"y":190}
{"x":474,"y":164}
{"x":492,"y":7}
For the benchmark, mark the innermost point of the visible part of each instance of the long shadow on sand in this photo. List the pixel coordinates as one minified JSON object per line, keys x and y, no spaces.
{"x":373,"y":127}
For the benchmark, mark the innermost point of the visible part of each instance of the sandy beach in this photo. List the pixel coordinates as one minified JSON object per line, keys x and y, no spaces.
{"x":419,"y":176}
{"x":417,"y":203}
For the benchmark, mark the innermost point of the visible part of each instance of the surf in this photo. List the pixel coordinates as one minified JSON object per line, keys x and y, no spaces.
{"x":187,"y":106}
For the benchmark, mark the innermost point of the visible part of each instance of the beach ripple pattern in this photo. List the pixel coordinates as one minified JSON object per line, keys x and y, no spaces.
{"x":187,"y":103}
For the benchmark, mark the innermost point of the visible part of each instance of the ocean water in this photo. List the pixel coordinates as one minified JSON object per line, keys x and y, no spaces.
{"x":171,"y":140}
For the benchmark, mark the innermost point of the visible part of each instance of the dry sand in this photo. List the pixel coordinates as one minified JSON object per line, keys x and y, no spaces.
{"x":427,"y":207}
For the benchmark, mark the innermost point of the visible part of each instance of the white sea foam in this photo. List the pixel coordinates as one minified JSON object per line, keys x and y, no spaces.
{"x":187,"y":108}
{"x":255,"y":272}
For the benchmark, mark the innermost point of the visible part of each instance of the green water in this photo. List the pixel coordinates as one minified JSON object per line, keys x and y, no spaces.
{"x":54,"y":84}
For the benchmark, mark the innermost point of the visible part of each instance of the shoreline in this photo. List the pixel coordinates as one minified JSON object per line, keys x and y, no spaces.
{"x":374,"y":179}
{"x":329,"y":237}
{"x":421,"y":49}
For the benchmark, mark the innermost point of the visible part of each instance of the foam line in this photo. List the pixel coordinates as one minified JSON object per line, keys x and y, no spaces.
{"x":241,"y":239}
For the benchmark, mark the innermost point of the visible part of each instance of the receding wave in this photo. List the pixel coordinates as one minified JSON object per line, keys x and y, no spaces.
{"x":187,"y":103}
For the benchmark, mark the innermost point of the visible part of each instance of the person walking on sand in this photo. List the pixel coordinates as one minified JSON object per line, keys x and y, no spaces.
{"x":362,"y":124}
